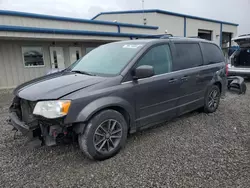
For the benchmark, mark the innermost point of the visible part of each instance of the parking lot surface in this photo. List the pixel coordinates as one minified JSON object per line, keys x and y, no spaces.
{"x":194,"y":150}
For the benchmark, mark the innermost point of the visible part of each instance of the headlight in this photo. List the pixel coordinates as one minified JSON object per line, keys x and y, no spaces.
{"x":52,"y":109}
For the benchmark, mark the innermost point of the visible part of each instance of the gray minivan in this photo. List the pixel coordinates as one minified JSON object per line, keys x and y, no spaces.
{"x":120,"y":88}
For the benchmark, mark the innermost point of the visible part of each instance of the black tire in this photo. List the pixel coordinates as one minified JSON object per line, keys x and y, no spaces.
{"x":211,"y":105}
{"x":105,"y":119}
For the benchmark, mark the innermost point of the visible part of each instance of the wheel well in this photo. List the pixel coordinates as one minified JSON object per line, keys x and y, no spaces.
{"x":123,"y":112}
{"x":218,"y":84}
{"x":119,"y":109}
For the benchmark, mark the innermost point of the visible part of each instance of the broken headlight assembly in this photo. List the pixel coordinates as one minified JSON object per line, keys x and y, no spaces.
{"x":52,"y":109}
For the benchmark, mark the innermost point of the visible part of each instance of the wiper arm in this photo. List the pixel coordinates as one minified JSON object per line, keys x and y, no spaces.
{"x":83,"y":72}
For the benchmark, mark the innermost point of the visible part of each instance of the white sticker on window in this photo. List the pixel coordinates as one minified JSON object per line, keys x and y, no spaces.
{"x":134,"y":46}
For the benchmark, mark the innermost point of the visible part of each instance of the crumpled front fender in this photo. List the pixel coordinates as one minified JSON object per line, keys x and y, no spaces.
{"x":102,"y":103}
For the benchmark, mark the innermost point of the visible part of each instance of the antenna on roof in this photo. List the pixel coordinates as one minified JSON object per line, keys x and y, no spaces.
{"x":143,"y":15}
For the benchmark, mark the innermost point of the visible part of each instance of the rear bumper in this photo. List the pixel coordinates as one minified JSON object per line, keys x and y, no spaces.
{"x":237,"y":71}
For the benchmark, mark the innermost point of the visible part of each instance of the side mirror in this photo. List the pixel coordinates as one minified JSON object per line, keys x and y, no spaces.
{"x":143,"y":71}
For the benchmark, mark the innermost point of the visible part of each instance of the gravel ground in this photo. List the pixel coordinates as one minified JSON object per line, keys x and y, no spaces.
{"x":195,"y":150}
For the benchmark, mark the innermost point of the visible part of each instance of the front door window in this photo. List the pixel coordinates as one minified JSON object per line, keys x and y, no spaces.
{"x":159,"y":58}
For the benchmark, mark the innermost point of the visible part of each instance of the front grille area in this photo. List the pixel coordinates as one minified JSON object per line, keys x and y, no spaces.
{"x":24,"y":110}
{"x":27,"y":108}
{"x":27,"y":111}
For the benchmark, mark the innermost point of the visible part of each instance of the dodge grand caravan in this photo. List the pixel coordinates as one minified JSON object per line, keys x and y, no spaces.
{"x":120,"y":88}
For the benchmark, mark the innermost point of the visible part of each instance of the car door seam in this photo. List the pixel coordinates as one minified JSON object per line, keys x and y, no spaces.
{"x":139,"y":119}
{"x":170,"y":100}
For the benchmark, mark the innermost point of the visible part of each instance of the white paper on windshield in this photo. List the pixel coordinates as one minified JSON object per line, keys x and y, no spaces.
{"x":133,"y":46}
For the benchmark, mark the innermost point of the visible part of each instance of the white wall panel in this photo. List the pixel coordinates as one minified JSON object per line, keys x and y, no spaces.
{"x":174,"y":24}
{"x":133,"y":18}
{"x":44,"y":23}
{"x":230,"y":29}
{"x":194,"y":25}
{"x":138,"y":30}
{"x":3,"y":72}
{"x":52,"y":37}
{"x":12,"y":70}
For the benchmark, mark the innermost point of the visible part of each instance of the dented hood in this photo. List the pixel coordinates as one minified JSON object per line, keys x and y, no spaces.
{"x":55,"y":86}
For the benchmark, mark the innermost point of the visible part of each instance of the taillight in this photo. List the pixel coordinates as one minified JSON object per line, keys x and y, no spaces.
{"x":227,"y":69}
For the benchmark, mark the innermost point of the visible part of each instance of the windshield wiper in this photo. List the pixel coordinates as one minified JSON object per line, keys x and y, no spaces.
{"x":83,"y":72}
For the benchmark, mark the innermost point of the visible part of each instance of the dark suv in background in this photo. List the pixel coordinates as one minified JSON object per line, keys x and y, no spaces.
{"x":120,"y":88}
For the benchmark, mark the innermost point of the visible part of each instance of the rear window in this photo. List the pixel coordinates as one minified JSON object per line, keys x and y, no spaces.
{"x":188,"y":56}
{"x":212,"y":54}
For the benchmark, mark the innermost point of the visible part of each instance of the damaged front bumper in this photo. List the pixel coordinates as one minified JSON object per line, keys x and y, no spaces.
{"x":18,"y":124}
{"x":42,"y":134}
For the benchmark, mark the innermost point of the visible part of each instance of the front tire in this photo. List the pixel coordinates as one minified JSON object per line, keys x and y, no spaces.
{"x":212,"y":99}
{"x":104,"y":136}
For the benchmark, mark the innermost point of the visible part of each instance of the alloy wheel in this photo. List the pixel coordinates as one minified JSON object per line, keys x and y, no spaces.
{"x":213,"y":99}
{"x":107,"y":136}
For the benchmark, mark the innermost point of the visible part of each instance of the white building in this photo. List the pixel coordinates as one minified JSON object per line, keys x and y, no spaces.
{"x":32,"y":44}
{"x":175,"y":23}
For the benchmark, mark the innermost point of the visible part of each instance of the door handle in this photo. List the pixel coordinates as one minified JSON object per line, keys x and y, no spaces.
{"x":172,"y":80}
{"x":184,"y":78}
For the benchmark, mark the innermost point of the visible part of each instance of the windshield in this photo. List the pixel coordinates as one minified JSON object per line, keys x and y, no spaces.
{"x":107,"y":60}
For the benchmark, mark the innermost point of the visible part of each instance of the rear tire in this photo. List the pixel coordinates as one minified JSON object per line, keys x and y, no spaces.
{"x":212,"y":99}
{"x":104,"y":136}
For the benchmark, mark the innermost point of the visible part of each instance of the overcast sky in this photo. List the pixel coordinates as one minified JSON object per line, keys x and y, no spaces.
{"x":226,"y":10}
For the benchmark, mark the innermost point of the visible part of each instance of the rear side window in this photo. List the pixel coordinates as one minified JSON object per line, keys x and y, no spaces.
{"x":188,"y":56}
{"x":159,"y":57}
{"x":212,"y":54}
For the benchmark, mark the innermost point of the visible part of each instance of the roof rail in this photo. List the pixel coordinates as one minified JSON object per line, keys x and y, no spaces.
{"x":198,"y":37}
{"x":160,"y":36}
{"x":166,"y":36}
